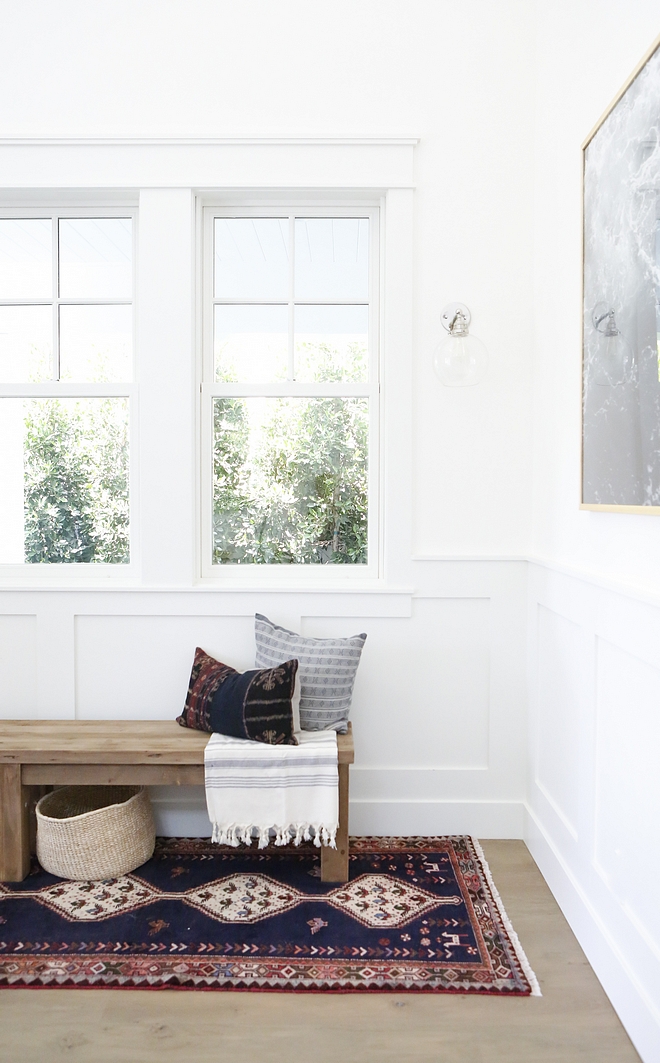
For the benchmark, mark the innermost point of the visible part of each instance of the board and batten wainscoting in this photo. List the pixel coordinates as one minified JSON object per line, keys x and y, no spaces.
{"x":594,"y":733}
{"x":439,"y":705}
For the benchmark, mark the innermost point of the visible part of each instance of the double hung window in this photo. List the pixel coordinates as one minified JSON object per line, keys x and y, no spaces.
{"x":290,"y":389}
{"x":289,"y":397}
{"x":66,"y":366}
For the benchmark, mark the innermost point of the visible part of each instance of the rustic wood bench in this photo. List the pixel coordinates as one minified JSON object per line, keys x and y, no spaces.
{"x":35,"y":754}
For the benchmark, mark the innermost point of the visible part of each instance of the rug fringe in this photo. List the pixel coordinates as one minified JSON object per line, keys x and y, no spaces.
{"x":515,"y":940}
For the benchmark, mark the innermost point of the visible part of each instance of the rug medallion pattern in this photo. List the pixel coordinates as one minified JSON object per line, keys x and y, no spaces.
{"x":416,"y":914}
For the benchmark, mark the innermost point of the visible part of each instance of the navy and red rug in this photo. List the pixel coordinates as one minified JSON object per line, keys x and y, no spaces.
{"x":418,"y":914}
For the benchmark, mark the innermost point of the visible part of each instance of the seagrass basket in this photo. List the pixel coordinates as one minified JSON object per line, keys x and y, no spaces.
{"x":94,"y":832}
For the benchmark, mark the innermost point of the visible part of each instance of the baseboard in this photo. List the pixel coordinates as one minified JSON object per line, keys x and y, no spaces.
{"x":483,"y":819}
{"x":181,"y":812}
{"x":627,"y":995}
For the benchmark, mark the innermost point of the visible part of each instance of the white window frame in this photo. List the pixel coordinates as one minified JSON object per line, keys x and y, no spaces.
{"x":301,"y":207}
{"x":58,"y":572}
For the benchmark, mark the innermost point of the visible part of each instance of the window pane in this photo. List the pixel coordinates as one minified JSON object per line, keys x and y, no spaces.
{"x":252,"y":258}
{"x":26,"y":343}
{"x":290,"y":481}
{"x":251,"y":343}
{"x":332,"y":258}
{"x":96,"y":343}
{"x":96,"y":258}
{"x":331,"y":342}
{"x":26,"y":263}
{"x":64,"y":481}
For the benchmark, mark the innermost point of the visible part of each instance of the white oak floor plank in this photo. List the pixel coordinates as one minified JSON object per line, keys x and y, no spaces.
{"x":572,"y":1023}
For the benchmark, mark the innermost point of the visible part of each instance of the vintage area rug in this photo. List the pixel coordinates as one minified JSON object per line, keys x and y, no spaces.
{"x":418,"y":914}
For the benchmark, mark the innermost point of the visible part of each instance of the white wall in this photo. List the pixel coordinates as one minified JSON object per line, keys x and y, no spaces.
{"x":456,"y":75}
{"x":440,"y":707}
{"x":594,"y":590}
{"x":586,"y":51}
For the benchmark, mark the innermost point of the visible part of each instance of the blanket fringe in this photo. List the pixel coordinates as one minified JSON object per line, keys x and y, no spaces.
{"x":236,"y":834}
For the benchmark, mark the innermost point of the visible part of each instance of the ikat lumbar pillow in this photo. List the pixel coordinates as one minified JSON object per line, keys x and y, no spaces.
{"x":260,"y":704}
{"x":327,"y":671}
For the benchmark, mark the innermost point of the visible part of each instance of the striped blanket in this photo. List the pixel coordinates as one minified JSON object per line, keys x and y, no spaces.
{"x":253,"y":789}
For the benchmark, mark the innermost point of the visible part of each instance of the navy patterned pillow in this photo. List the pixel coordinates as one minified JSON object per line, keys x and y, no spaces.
{"x":257,"y":705}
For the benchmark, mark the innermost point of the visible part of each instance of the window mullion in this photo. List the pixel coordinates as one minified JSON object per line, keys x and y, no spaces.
{"x":208,"y":298}
{"x":205,"y":407}
{"x":55,"y":369}
{"x":292,"y":389}
{"x":94,"y":301}
{"x":292,"y":274}
{"x":235,"y":301}
{"x":66,"y":389}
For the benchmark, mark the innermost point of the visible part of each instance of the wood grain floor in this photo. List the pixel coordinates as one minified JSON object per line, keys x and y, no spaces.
{"x":572,"y":1023}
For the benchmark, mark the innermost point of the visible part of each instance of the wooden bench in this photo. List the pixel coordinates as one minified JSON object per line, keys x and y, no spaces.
{"x":35,"y":754}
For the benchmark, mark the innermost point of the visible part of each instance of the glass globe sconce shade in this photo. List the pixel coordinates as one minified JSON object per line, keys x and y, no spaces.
{"x":613,"y":360}
{"x":460,"y":360}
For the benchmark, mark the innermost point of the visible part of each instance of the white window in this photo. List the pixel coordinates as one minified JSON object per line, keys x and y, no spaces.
{"x":290,"y":390}
{"x":66,"y":366}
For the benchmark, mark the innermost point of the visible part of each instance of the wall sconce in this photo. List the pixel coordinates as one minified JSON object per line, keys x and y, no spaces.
{"x":460,"y":360}
{"x":613,"y":359}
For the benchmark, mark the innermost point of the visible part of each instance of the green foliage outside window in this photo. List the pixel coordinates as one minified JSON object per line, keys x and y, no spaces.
{"x":291,"y":475}
{"x":289,"y":485}
{"x":76,"y":481}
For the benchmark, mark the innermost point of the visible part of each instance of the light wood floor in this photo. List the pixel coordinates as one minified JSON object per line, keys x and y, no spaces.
{"x":572,"y":1023}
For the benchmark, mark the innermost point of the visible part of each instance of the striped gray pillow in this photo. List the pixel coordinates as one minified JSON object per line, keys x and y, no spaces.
{"x":327,"y":670}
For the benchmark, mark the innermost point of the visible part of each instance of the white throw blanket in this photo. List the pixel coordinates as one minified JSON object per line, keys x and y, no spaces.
{"x":253,"y":788}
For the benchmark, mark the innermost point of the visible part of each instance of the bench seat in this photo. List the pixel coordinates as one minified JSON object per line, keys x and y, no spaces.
{"x":36,"y":754}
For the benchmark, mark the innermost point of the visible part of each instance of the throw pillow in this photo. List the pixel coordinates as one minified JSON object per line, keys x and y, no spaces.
{"x":258,"y":704}
{"x":327,"y":671}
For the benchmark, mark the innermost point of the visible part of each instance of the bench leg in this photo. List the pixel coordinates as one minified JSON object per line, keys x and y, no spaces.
{"x":334,"y":862}
{"x":34,"y":794}
{"x":14,"y":825}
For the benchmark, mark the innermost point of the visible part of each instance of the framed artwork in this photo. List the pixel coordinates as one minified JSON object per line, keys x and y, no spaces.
{"x":621,"y":300}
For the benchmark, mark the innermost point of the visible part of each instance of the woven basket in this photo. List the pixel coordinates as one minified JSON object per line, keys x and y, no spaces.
{"x":94,"y":832}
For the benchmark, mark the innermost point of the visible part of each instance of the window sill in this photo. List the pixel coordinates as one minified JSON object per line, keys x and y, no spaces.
{"x":204,"y":587}
{"x":67,"y":577}
{"x":299,"y":586}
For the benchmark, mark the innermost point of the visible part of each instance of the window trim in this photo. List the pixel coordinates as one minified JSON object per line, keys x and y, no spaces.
{"x":298,"y":205}
{"x":56,"y":209}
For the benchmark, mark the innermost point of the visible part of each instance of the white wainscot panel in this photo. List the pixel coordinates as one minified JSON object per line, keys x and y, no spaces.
{"x":138,"y":667}
{"x":180,"y":811}
{"x":422,"y":688}
{"x":628,"y":784}
{"x":561,"y":664}
{"x":18,"y":672}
